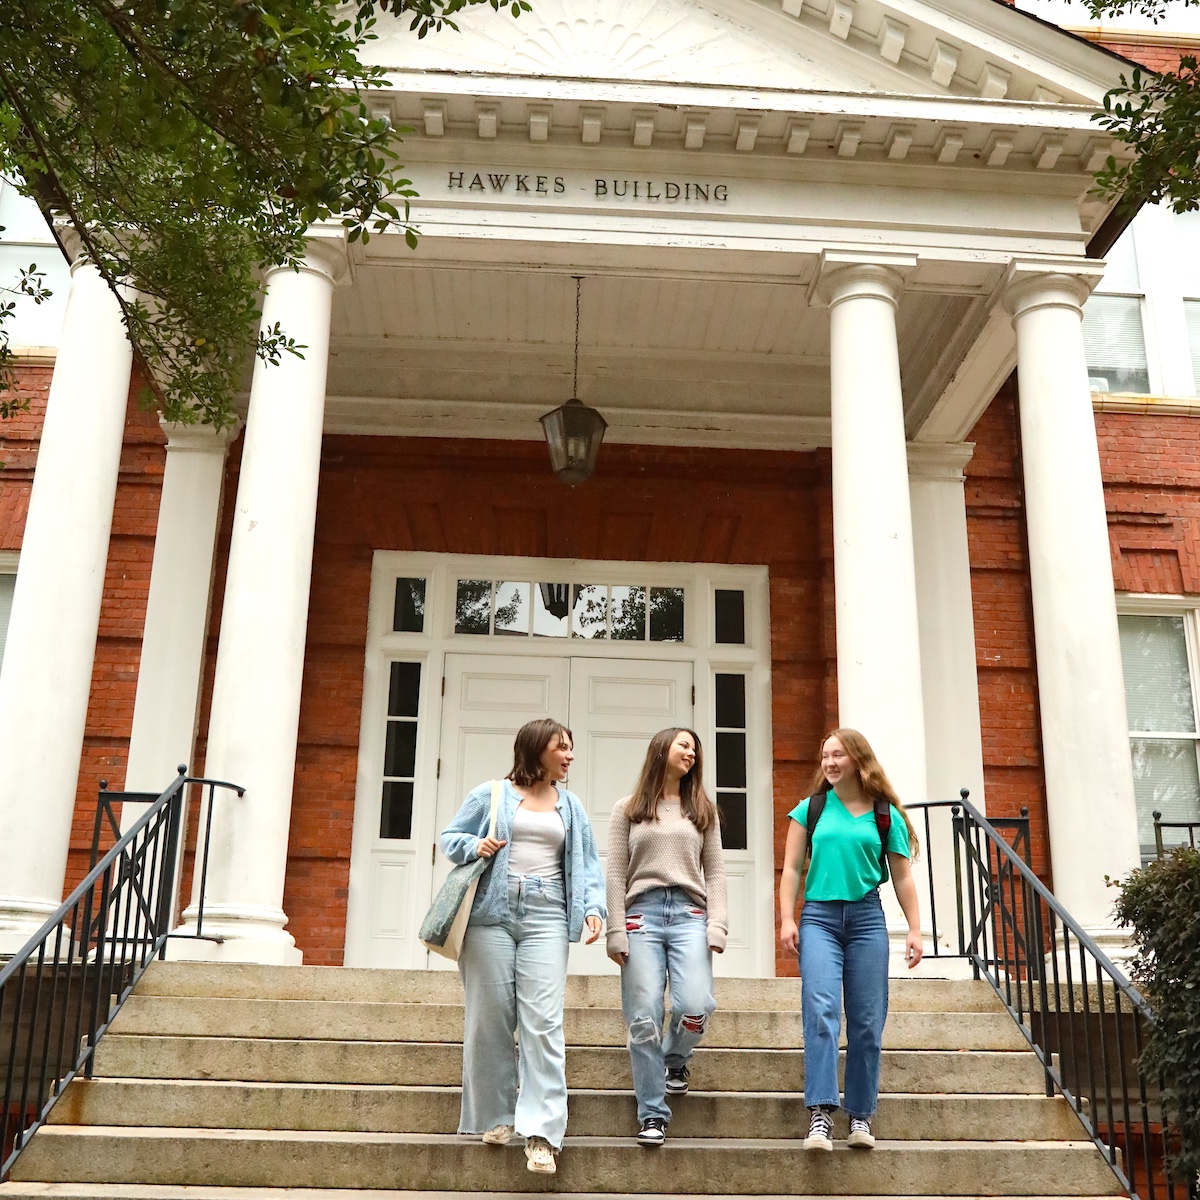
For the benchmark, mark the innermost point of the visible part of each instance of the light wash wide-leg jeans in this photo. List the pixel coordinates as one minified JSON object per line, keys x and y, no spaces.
{"x":515,"y":975}
{"x":668,"y":939}
{"x":843,"y":953}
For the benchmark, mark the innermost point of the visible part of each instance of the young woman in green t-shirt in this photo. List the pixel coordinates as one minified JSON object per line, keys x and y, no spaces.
{"x":842,"y":938}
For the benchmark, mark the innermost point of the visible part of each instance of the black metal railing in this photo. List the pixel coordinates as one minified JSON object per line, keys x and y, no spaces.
{"x":1189,"y":829}
{"x":61,"y":992}
{"x":1083,"y":1018}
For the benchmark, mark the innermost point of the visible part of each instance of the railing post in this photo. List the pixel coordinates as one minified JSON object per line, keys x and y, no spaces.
{"x":165,"y":906}
{"x":1158,"y":842}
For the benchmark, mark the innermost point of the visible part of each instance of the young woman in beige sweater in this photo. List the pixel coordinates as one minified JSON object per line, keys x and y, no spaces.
{"x":666,"y":914}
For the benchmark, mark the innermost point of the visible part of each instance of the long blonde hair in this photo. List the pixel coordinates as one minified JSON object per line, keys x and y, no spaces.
{"x":694,"y":800}
{"x":871,"y":775}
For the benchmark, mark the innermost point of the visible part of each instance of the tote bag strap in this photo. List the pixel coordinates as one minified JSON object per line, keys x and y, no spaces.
{"x":497,"y":791}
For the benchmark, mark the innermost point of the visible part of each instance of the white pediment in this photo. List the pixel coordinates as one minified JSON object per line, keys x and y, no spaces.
{"x":902,"y":47}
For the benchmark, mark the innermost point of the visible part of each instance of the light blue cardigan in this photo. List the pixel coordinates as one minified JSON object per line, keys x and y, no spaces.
{"x":582,"y":875}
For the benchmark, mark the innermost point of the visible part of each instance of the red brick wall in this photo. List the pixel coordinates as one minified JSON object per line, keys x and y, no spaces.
{"x":127,"y":579}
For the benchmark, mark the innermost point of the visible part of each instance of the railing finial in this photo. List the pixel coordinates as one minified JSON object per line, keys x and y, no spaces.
{"x":182,"y":768}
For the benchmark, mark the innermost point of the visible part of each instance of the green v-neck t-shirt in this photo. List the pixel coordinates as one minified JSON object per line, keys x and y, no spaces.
{"x":845,"y":850}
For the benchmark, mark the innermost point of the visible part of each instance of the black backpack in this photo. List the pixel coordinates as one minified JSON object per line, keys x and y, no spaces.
{"x":883,"y":822}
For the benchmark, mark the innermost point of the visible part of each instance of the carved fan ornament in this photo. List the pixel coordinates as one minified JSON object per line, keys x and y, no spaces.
{"x":670,"y":40}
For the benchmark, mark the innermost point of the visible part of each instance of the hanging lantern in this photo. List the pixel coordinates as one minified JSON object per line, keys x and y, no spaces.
{"x":574,"y":431}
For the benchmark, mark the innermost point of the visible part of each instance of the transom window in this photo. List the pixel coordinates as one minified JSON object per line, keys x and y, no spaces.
{"x":1157,"y":653}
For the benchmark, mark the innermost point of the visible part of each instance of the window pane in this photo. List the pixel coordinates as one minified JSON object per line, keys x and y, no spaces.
{"x":404,"y":689}
{"x":731,"y":702}
{"x":395,"y":818}
{"x":551,"y":610}
{"x":731,"y":617}
{"x":732,"y":806}
{"x":629,"y":614}
{"x":1115,"y":345}
{"x":1191,"y":309}
{"x":409,"y":615}
{"x":7,"y":583}
{"x":1164,"y":780}
{"x":1121,"y":268}
{"x":1158,"y":691}
{"x":472,"y":608}
{"x":512,"y":608}
{"x":666,"y":614}
{"x":731,"y":760}
{"x":589,"y":610}
{"x":400,"y":755}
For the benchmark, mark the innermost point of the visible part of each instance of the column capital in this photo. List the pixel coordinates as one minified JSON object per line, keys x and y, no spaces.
{"x":856,"y":274}
{"x":1055,"y":283}
{"x":198,"y":438}
{"x":326,"y":253}
{"x":939,"y":460}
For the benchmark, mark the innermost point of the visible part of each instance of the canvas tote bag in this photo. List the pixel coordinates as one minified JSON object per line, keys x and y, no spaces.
{"x":445,"y":923}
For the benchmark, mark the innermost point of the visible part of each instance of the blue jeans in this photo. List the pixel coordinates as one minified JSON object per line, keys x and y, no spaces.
{"x":843,"y":951}
{"x":515,"y":977}
{"x":668,"y":938}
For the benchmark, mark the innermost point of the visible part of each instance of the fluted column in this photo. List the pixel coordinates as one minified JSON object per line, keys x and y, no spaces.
{"x":260,"y":655}
{"x":878,"y":644}
{"x":46,"y":678}
{"x":1081,"y":695}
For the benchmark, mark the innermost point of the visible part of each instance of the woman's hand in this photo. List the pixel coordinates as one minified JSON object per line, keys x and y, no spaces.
{"x":595,"y":925}
{"x":488,"y":846}
{"x":619,"y":957}
{"x":913,"y":950}
{"x":717,"y":949}
{"x":789,"y":935}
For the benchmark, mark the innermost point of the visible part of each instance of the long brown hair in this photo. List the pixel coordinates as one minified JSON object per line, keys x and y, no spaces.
{"x":531,"y":741}
{"x":694,"y":800}
{"x":875,"y":782}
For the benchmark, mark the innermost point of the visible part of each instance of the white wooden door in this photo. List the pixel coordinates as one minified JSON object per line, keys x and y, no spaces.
{"x":617,"y":706}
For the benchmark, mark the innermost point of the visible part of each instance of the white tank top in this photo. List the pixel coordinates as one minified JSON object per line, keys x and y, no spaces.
{"x":536,"y":844}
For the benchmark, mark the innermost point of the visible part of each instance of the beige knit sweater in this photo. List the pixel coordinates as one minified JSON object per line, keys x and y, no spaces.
{"x":666,"y":852}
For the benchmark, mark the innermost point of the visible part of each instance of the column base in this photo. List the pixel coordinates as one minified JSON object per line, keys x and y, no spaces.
{"x":236,"y":934}
{"x":20,"y":919}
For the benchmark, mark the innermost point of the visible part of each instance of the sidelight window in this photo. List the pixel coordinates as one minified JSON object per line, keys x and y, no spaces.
{"x":400,"y":751}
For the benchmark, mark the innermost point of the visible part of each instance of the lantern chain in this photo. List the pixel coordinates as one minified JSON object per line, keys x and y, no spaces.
{"x":575,"y":378}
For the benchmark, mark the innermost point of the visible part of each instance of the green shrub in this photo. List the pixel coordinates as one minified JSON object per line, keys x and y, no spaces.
{"x":1161,"y":902}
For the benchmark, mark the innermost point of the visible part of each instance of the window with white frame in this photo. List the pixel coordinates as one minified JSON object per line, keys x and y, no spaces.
{"x":1158,"y":652}
{"x":8,"y":581}
{"x":25,"y":240}
{"x":1186,"y":228}
{"x":1113,"y":331}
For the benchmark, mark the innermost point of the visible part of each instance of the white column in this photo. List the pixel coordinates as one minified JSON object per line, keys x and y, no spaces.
{"x":47,"y":672}
{"x":949,"y":683}
{"x":166,"y":706}
{"x":260,"y":656}
{"x":878,"y":645}
{"x":1085,"y":738}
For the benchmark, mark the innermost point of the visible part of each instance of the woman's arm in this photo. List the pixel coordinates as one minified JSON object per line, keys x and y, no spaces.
{"x":712,"y":860}
{"x":464,"y":838}
{"x":617,"y":882}
{"x":906,"y":893}
{"x":791,"y":885}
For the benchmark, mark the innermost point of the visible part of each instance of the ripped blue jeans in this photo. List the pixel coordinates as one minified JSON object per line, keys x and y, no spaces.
{"x":668,"y":940}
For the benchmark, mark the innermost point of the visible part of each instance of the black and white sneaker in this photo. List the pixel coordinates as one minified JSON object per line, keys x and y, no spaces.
{"x":820,"y":1130}
{"x":677,"y":1081}
{"x":653,"y":1132}
{"x":861,"y":1136}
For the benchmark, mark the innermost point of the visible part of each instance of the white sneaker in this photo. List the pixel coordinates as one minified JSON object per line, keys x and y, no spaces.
{"x":539,"y":1157}
{"x":861,"y":1136}
{"x":820,"y":1130}
{"x":498,"y":1135}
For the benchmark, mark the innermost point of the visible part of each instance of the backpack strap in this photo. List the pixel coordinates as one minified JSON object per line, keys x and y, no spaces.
{"x":816,"y":806}
{"x":883,"y":822}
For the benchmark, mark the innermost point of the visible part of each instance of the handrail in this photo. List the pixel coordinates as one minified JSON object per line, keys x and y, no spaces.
{"x":1078,"y":1011}
{"x":61,"y":991}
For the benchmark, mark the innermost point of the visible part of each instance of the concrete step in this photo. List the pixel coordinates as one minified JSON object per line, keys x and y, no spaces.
{"x":152,"y":1191}
{"x":594,"y":1113}
{"x":377,"y":1022}
{"x":244,"y":1158}
{"x":255,"y":982}
{"x":440,"y":1064}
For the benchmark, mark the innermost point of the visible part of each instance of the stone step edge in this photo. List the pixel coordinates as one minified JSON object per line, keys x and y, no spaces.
{"x":790,"y":1145}
{"x":161,"y":1191}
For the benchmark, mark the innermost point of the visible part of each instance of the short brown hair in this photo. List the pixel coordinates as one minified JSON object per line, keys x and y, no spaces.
{"x":531,"y":741}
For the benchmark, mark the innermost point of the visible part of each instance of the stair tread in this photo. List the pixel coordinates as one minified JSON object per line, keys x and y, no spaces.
{"x":160,"y":1191}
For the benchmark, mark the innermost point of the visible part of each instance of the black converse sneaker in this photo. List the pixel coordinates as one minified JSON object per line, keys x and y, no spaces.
{"x":820,"y":1130}
{"x":653,"y":1132}
{"x":677,"y":1081}
{"x":861,"y":1136}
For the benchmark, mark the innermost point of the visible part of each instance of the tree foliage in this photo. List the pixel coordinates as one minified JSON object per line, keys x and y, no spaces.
{"x":1161,"y":902}
{"x":189,"y":144}
{"x":1158,"y":117}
